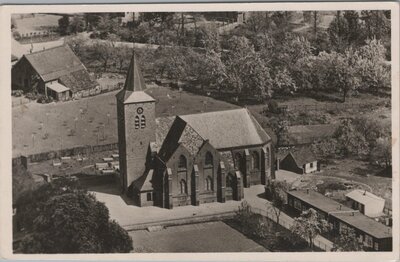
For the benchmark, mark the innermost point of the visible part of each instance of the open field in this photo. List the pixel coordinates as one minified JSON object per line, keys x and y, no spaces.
{"x":38,"y":22}
{"x":94,"y":119}
{"x":203,"y":237}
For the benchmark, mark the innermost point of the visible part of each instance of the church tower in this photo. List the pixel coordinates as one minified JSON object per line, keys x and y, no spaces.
{"x":136,"y":125}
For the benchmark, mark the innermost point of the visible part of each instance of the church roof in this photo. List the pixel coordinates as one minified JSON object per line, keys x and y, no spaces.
{"x":228,"y":129}
{"x":183,"y":134}
{"x":133,"y":91}
{"x":143,"y":183}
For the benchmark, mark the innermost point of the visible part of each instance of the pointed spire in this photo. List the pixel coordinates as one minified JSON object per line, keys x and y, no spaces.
{"x":134,"y":80}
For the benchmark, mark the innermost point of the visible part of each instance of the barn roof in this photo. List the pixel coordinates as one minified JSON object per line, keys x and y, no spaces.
{"x":302,"y":155}
{"x":228,"y":128}
{"x":55,"y":62}
{"x":78,"y":80}
{"x":306,"y":134}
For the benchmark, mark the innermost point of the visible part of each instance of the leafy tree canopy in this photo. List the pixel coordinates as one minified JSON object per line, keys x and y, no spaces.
{"x":60,"y":217}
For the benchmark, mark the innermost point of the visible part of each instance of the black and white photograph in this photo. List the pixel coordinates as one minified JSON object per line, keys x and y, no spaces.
{"x":242,"y":130}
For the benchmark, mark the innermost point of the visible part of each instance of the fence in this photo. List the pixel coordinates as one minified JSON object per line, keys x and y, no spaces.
{"x":80,"y":150}
{"x":287,"y":222}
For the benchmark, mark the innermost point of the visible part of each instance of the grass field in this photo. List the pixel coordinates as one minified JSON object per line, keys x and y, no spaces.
{"x":94,"y":119}
{"x":38,"y":22}
{"x":204,"y":237}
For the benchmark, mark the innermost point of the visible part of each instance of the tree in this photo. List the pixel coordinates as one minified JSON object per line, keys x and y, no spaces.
{"x":347,"y":241}
{"x":77,"y":24}
{"x":382,"y":152}
{"x":353,"y":27}
{"x":342,"y":74}
{"x":22,"y":181}
{"x":63,"y":25}
{"x":122,"y":55}
{"x":246,"y":72}
{"x":371,"y":66}
{"x":338,"y":33}
{"x":309,"y":225}
{"x":277,"y":193}
{"x":60,"y":217}
{"x":104,"y":52}
{"x":350,"y":140}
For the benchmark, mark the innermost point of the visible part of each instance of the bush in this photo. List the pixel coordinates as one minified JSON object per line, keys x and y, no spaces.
{"x":17,"y":93}
{"x":287,"y":241}
{"x":331,"y":186}
{"x":273,"y":107}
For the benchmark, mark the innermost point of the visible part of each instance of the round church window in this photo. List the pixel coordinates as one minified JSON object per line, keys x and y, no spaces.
{"x":139,"y":110}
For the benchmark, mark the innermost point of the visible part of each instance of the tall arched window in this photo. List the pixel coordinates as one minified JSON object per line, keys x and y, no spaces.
{"x":209,"y":159}
{"x":183,"y":186}
{"x":142,"y":121}
{"x":209,"y":184}
{"x":255,"y":157}
{"x":182,"y":162}
{"x":238,"y":161}
{"x":268,"y":155}
{"x":229,"y":180}
{"x":137,"y":122}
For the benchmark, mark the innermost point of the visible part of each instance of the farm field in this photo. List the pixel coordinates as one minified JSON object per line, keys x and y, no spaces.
{"x":93,"y":120}
{"x":203,"y":237}
{"x":37,"y":22}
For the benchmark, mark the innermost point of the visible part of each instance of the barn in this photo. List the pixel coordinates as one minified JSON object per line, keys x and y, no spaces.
{"x":55,"y":72}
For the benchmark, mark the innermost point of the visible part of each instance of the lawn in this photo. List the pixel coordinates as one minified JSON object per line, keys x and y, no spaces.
{"x":203,"y":237}
{"x":94,"y":119}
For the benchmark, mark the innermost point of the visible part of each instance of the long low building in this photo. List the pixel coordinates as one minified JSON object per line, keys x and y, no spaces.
{"x":374,"y":235}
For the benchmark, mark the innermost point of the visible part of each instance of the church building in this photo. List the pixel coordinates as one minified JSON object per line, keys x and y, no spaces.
{"x":187,"y":159}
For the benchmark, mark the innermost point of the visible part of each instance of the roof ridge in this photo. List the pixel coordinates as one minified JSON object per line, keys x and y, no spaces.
{"x":217,"y":111}
{"x":47,"y":49}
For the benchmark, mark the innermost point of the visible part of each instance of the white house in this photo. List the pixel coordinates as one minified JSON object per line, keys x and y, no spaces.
{"x":366,"y":202}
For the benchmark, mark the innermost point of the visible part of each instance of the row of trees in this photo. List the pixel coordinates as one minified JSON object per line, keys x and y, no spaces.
{"x":267,"y":69}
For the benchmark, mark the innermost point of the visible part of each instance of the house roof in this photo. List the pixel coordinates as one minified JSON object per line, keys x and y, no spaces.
{"x":57,"y":87}
{"x":306,"y":134}
{"x":302,"y":155}
{"x":342,"y":213}
{"x":54,"y":62}
{"x":365,"y":224}
{"x":228,"y":129}
{"x":364,"y":197}
{"x":319,"y":201}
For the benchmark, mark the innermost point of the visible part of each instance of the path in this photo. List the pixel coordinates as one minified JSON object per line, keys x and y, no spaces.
{"x":129,"y":216}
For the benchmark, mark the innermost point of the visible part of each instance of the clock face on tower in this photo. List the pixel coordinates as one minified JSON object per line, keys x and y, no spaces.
{"x":139,"y":110}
